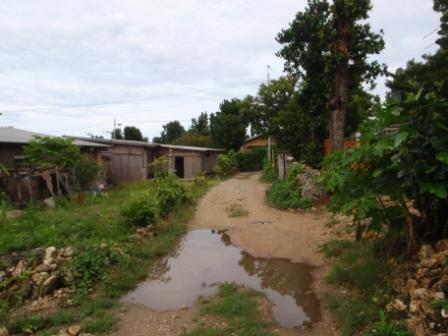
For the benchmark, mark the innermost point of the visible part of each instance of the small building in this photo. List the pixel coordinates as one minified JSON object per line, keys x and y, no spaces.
{"x":27,"y":184}
{"x":130,"y":160}
{"x":258,"y":141}
{"x":189,"y":161}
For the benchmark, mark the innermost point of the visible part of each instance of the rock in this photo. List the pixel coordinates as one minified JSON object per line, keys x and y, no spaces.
{"x":411,"y":285}
{"x":63,"y":333}
{"x":19,"y":269}
{"x":442,"y":245}
{"x":444,"y":313}
{"x":74,"y":330}
{"x":419,"y":294}
{"x":42,"y":268}
{"x":308,"y":185}
{"x":399,"y":305}
{"x":416,"y":326}
{"x":67,"y":252}
{"x":426,"y":251}
{"x":438,"y":296}
{"x":39,"y":278}
{"x":50,"y":255}
{"x":414,"y":307}
{"x":4,"y":331}
{"x":50,"y":285}
{"x":50,"y":202}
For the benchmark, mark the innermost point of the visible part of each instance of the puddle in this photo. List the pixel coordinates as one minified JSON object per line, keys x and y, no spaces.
{"x":205,"y":258}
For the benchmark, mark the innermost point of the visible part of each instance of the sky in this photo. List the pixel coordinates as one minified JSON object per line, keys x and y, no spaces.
{"x":72,"y":67}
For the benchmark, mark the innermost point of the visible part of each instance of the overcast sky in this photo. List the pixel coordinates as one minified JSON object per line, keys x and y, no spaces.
{"x":71,"y":67}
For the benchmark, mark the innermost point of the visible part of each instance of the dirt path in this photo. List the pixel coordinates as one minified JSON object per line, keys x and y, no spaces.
{"x":264,"y":233}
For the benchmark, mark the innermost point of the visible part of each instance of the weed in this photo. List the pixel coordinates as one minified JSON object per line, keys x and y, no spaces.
{"x":387,"y":328}
{"x":335,"y":248}
{"x":239,"y":308}
{"x":100,"y":324}
{"x":284,"y":194}
{"x":236,"y":210}
{"x":63,"y":317}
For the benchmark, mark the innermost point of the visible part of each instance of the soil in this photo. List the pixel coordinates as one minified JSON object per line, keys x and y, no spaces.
{"x":264,"y":233}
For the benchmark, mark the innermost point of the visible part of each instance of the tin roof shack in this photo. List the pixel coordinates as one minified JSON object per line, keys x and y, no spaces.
{"x":28,"y":184}
{"x":126,"y":160}
{"x":188,"y":161}
{"x":258,"y":141}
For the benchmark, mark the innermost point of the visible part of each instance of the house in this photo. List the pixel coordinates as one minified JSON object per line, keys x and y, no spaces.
{"x":189,"y":161}
{"x":27,"y":184}
{"x":258,"y":141}
{"x":130,"y":160}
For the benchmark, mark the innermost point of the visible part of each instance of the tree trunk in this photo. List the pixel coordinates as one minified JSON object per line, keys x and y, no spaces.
{"x":339,"y":102}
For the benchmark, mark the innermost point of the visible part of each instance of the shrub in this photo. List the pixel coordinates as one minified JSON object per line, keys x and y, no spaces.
{"x":251,"y":160}
{"x":269,"y":173}
{"x":284,"y":194}
{"x":227,"y":164}
{"x":85,"y":172}
{"x":141,"y":210}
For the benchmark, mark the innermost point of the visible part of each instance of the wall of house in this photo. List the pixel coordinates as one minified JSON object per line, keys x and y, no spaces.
{"x":209,"y":161}
{"x":7,"y":154}
{"x":256,"y":143}
{"x":194,"y":162}
{"x":127,"y":163}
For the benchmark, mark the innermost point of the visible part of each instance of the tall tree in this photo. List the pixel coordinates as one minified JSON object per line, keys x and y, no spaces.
{"x":200,"y":125}
{"x":171,"y":131}
{"x":117,"y":134}
{"x":227,"y":126}
{"x":132,"y":133}
{"x":330,"y":43}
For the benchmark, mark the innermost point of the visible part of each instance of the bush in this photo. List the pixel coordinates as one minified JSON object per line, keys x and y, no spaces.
{"x":227,"y":164}
{"x":269,"y":172}
{"x":251,"y":160}
{"x":141,"y":210}
{"x":85,"y":172}
{"x":285,"y":194}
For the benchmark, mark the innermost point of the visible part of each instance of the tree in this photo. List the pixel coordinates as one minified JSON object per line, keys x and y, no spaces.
{"x":194,"y":139}
{"x":171,"y":131}
{"x":117,"y":134}
{"x":227,"y":126}
{"x":200,"y":125}
{"x":132,"y":133}
{"x":327,"y":43}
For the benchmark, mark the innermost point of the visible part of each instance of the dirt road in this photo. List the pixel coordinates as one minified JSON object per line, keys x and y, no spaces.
{"x":263,"y":233}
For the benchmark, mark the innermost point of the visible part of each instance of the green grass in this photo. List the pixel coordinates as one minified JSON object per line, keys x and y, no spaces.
{"x":237,"y":210}
{"x":283,"y":194}
{"x":239,"y":308}
{"x":85,"y":227}
{"x":359,"y":273}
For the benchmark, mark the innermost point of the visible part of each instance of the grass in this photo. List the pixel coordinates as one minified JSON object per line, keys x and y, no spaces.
{"x":86,"y":226}
{"x":236,"y":210}
{"x":238,"y":307}
{"x":359,"y":273}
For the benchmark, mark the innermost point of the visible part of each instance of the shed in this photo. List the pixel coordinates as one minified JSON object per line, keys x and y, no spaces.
{"x":258,"y":141}
{"x":27,"y":184}
{"x":126,"y":160}
{"x":189,"y":161}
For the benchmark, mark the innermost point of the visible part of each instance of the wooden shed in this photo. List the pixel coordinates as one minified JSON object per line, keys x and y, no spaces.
{"x":24,"y":184}
{"x":189,"y":161}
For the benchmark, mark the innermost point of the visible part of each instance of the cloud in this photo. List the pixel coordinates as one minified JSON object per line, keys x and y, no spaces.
{"x":77,"y":65}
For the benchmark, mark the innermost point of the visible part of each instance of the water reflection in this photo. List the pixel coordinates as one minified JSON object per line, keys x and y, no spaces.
{"x":207,"y":257}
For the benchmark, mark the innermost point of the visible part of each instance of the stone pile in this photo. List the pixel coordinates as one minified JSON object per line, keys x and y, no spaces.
{"x":308,"y":185}
{"x":41,"y":277}
{"x":423,"y":297}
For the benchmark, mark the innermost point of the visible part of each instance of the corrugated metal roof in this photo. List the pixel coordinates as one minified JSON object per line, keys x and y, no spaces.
{"x":190,"y":148}
{"x":19,"y":136}
{"x":117,"y":142}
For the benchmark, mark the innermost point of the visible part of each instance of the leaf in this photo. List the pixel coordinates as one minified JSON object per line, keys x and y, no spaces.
{"x":443,"y":157}
{"x":400,"y":139}
{"x":378,"y":172}
{"x":438,"y":189}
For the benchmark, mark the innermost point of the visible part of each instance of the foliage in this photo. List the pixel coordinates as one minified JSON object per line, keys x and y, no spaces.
{"x":85,"y":172}
{"x":313,"y":52}
{"x":286,"y":193}
{"x":171,"y":131}
{"x":387,"y":328}
{"x":227,"y":164}
{"x":141,"y":210}
{"x":251,"y":160}
{"x":236,"y":210}
{"x":89,"y":266}
{"x":117,"y":134}
{"x":53,"y":152}
{"x":269,"y":171}
{"x":133,"y":133}
{"x":239,"y":308}
{"x":407,"y":164}
{"x":200,"y":126}
{"x":227,"y":126}
{"x":194,"y":139}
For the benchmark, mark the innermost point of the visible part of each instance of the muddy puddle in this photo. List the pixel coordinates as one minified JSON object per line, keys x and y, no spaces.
{"x":205,"y":258}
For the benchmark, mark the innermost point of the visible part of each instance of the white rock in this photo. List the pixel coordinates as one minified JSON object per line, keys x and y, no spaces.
{"x":50,"y":255}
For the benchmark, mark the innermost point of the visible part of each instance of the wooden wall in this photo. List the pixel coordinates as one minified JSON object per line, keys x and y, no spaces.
{"x":127,"y":164}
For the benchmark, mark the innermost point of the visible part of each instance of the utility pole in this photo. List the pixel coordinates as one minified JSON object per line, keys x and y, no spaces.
{"x":115,"y":127}
{"x":268,"y":81}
